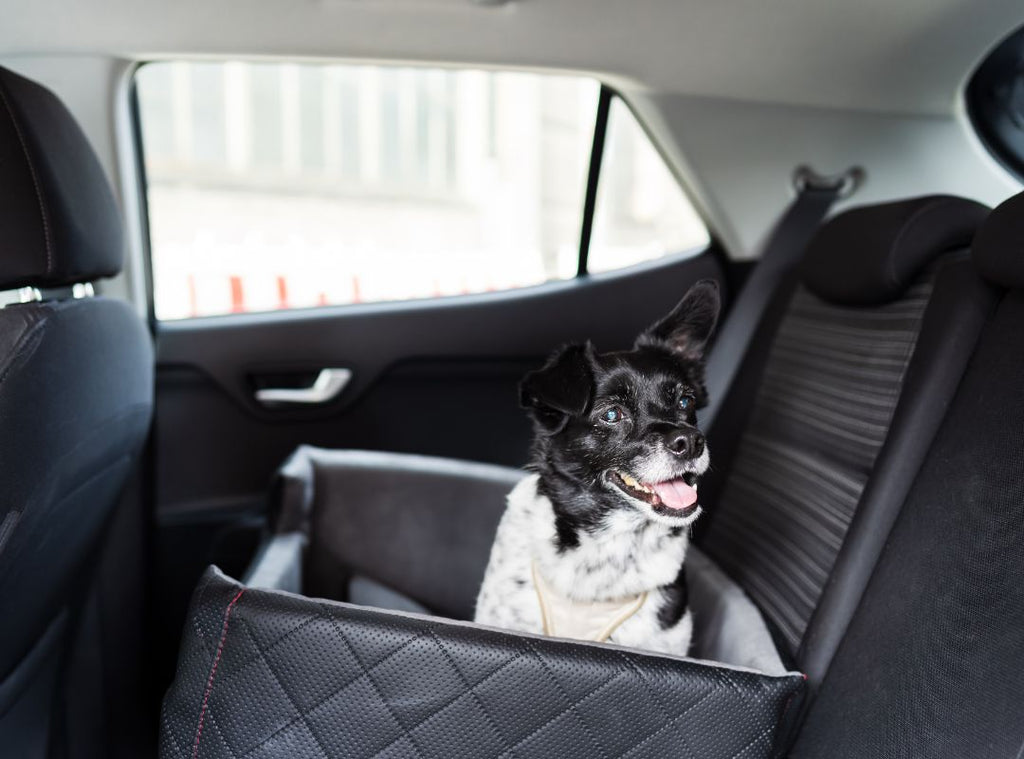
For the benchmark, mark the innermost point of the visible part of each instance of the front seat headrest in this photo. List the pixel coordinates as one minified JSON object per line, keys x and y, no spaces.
{"x":871,"y":255}
{"x":998,"y":249}
{"x":60,"y":222}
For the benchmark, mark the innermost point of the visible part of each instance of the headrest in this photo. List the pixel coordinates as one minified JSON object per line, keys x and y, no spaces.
{"x":871,"y":255}
{"x":998,"y":248}
{"x":59,"y":220}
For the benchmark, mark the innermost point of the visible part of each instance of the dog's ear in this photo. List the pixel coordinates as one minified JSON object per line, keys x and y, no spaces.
{"x":561,"y":389}
{"x":688,"y":327}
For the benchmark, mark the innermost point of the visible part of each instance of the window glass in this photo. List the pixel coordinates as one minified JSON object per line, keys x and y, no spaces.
{"x":282,"y":185}
{"x":641,"y":213}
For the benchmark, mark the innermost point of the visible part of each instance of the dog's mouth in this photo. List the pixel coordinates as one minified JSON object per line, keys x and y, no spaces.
{"x":676,"y":497}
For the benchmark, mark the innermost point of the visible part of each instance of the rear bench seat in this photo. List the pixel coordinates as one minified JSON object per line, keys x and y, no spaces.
{"x":813,"y":452}
{"x":816,"y":449}
{"x":933,"y":661}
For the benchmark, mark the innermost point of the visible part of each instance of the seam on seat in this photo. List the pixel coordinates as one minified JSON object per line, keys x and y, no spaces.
{"x":373,"y":683}
{"x":491,"y":722}
{"x":213,"y":672}
{"x":30,"y":339}
{"x":925,"y":209}
{"x":35,"y":181}
{"x":277,"y":678}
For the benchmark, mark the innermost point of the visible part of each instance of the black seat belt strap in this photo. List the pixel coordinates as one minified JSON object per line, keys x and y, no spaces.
{"x":785,"y":247}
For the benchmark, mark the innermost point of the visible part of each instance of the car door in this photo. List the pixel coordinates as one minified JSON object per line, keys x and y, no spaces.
{"x":383,"y":290}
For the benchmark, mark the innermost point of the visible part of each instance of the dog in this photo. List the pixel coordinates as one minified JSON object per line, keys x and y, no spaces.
{"x":592,"y":541}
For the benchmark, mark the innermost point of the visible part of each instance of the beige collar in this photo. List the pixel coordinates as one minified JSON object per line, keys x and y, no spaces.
{"x":594,"y":620}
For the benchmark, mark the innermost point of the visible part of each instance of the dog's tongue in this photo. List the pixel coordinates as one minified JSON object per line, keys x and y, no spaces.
{"x":675,"y":494}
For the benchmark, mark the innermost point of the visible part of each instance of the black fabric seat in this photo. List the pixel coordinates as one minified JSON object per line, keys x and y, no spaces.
{"x":817,"y":443}
{"x":76,"y":391}
{"x":931,"y":664}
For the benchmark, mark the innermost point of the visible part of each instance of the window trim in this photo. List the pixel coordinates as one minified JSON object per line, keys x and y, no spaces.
{"x":142,"y":194}
{"x":1003,"y":140}
{"x":606,"y":96}
{"x":597,"y":147}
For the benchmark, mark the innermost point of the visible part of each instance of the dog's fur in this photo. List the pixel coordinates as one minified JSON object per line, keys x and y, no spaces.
{"x":572,"y":520}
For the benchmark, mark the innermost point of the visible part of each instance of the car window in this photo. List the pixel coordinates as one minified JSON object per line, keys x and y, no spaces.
{"x":995,"y":102}
{"x":641,"y":212}
{"x":284,"y":185}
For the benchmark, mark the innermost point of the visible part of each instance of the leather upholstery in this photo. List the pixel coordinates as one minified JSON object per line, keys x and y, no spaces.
{"x":263,"y":674}
{"x":76,"y":395}
{"x":871,"y":255}
{"x":60,"y":222}
{"x":998,"y":249}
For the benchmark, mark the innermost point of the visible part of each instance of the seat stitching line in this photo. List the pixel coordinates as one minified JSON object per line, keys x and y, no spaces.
{"x":295,"y":706}
{"x":566,"y":710}
{"x":365,"y":673}
{"x":654,"y":697}
{"x":572,"y":706}
{"x":213,"y":672}
{"x":374,"y":685}
{"x":471,"y":690}
{"x":449,"y":702}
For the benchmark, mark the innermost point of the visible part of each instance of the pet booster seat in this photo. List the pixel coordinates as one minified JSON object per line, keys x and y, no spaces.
{"x":349,"y":637}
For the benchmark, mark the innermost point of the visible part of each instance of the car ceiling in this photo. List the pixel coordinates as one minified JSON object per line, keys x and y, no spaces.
{"x":909,"y":56}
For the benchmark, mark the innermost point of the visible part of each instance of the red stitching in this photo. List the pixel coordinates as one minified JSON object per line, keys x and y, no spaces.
{"x":213,"y":671}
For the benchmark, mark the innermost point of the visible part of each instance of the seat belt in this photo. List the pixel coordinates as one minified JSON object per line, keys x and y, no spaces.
{"x":815,"y":195}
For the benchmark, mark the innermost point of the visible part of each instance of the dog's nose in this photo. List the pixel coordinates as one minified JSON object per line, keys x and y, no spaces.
{"x":685,"y":443}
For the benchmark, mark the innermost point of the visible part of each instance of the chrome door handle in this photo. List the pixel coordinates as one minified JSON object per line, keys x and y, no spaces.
{"x":328,"y":385}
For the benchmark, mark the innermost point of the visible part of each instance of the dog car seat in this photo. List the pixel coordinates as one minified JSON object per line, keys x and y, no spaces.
{"x":269,"y":673}
{"x":504,"y":692}
{"x":931,"y":664}
{"x":264,"y":673}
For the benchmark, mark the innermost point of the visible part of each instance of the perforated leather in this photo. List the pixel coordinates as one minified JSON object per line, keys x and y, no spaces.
{"x":266,"y":674}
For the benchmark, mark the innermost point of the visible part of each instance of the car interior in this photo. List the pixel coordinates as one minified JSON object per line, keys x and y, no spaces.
{"x":271,"y":274}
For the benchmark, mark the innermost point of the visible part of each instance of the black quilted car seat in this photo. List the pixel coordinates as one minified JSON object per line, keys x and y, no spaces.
{"x":76,"y":390}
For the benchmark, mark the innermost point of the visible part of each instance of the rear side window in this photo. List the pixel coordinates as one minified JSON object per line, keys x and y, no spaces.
{"x":279,"y":185}
{"x":995,"y":102}
{"x":641,"y":212}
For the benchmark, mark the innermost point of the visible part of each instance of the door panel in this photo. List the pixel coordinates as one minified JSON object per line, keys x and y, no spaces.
{"x":433,"y":377}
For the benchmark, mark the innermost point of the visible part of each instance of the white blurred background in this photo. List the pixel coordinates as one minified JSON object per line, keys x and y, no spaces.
{"x":277,"y":185}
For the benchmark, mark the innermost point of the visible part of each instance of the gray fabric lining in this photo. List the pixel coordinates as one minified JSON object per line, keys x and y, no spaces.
{"x":279,"y":564}
{"x":727,"y":626}
{"x":366,"y":592}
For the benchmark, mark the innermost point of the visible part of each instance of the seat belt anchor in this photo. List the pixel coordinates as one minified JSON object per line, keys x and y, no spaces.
{"x":845,"y":183}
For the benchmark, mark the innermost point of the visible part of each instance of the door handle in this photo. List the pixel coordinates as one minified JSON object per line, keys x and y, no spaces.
{"x":328,"y":385}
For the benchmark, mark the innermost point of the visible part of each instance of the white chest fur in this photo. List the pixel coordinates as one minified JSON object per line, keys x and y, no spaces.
{"x":629,"y":556}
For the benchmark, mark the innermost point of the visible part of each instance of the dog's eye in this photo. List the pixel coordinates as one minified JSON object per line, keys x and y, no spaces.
{"x":612,"y":415}
{"x":685,"y":401}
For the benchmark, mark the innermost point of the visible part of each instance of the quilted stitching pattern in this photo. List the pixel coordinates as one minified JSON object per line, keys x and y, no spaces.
{"x":302,"y":678}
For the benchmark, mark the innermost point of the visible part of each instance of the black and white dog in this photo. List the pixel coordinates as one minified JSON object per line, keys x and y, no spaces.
{"x":592,"y":543}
